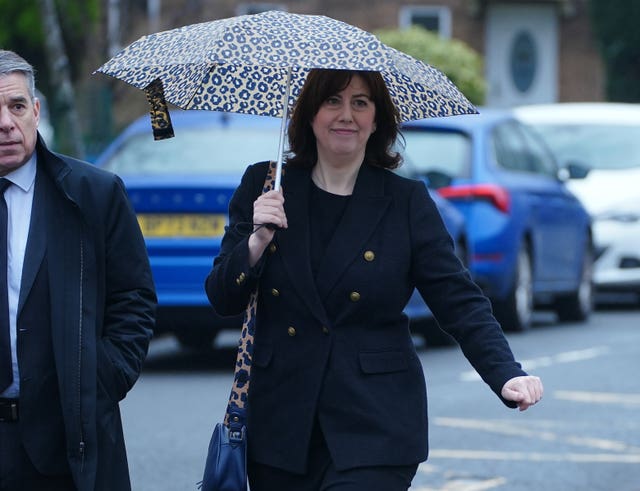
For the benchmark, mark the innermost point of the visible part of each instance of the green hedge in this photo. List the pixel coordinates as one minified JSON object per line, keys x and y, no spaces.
{"x":457,"y":60}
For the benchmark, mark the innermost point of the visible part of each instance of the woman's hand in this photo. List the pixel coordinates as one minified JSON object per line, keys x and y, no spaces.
{"x":524,"y":390}
{"x":268,"y":215}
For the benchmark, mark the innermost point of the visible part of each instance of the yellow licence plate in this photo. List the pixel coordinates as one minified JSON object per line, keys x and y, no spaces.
{"x":181,"y":225}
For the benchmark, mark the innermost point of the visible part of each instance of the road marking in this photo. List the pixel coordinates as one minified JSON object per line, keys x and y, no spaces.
{"x":465,"y":485}
{"x":595,"y":458}
{"x":546,"y":361}
{"x":598,"y":397}
{"x":506,"y":428}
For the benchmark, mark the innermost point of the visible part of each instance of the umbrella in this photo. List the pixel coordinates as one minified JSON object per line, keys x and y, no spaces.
{"x":257,"y":64}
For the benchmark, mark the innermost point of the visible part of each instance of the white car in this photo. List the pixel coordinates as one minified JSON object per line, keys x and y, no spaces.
{"x":604,"y":139}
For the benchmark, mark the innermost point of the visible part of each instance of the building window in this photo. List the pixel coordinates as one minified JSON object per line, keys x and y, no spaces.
{"x":523,"y":60}
{"x":433,"y":18}
{"x":258,"y":7}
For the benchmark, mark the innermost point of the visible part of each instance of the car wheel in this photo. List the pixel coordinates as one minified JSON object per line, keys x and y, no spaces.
{"x":577,"y":306}
{"x":514,"y":313}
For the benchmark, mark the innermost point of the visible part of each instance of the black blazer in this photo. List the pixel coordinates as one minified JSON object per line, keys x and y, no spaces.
{"x":338,"y":347}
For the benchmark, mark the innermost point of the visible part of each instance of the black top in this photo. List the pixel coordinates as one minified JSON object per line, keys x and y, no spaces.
{"x":325,"y":211}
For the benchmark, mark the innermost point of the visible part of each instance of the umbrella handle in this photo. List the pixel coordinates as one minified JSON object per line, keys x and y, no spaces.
{"x":283,"y":131}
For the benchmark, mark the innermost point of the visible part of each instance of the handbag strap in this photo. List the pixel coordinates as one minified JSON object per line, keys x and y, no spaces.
{"x":235,"y":416}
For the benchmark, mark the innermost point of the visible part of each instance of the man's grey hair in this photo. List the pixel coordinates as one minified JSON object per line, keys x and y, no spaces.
{"x":11,"y":62}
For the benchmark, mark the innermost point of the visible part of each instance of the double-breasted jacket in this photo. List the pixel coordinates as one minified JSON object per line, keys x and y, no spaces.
{"x":336,"y":348}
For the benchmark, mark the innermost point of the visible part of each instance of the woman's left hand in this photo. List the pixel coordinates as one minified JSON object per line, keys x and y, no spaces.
{"x":524,"y":390}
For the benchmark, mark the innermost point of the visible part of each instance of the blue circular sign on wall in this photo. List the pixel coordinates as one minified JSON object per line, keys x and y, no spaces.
{"x":523,"y":61}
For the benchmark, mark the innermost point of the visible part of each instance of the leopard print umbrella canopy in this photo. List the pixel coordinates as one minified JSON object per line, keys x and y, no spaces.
{"x":241,"y":64}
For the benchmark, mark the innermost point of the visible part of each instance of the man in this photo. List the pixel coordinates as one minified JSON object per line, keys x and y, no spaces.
{"x":77,"y":306}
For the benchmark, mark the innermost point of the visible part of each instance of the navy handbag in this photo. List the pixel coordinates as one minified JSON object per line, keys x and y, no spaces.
{"x":226,"y":465}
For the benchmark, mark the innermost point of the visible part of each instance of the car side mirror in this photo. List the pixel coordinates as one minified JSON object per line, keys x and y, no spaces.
{"x":436,"y":179}
{"x":573,"y":170}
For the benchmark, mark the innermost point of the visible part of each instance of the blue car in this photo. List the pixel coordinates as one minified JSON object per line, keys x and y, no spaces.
{"x":180,"y":189}
{"x":529,"y":237}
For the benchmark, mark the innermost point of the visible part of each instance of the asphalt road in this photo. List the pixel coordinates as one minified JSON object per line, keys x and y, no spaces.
{"x":583,"y":436}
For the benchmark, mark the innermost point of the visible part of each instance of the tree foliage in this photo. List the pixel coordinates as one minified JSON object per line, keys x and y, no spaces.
{"x":454,"y":58}
{"x":21,"y":30}
{"x":53,"y":35}
{"x":616,"y":28}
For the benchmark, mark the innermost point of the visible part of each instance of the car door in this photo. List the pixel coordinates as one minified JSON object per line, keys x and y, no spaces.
{"x":537,"y":201}
{"x":563,"y":214}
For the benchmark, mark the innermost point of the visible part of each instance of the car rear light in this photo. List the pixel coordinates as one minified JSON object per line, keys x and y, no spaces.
{"x":496,"y":195}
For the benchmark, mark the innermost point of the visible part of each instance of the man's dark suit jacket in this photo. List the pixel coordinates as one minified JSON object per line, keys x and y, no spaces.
{"x":337,"y":347}
{"x":86,"y":253}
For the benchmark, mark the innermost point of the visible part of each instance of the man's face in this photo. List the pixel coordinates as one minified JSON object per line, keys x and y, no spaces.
{"x":19,"y":117}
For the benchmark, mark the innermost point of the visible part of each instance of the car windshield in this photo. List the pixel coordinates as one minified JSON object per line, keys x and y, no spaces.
{"x":437,"y":155}
{"x":223,"y":150}
{"x":595,"y":146}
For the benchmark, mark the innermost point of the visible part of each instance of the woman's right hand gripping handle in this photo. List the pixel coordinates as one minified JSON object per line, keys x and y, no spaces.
{"x":268,"y":216}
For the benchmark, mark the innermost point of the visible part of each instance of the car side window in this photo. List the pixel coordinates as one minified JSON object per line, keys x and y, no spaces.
{"x":516,"y":152}
{"x":542,"y":158}
{"x":511,"y":151}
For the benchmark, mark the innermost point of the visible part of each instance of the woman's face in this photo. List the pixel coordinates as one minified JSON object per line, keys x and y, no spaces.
{"x":344,"y":122}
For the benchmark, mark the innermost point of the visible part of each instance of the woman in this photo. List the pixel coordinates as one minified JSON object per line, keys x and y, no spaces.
{"x":337,"y":397}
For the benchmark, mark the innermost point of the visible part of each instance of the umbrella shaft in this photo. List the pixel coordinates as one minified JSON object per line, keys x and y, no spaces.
{"x":283,"y":131}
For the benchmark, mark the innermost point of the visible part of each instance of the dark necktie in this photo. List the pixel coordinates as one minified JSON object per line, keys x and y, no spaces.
{"x":6,"y":369}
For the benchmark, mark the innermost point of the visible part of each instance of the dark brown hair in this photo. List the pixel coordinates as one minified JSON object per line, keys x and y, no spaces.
{"x":324,"y":83}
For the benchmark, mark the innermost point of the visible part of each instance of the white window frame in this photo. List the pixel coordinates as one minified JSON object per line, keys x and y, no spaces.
{"x":442,"y":13}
